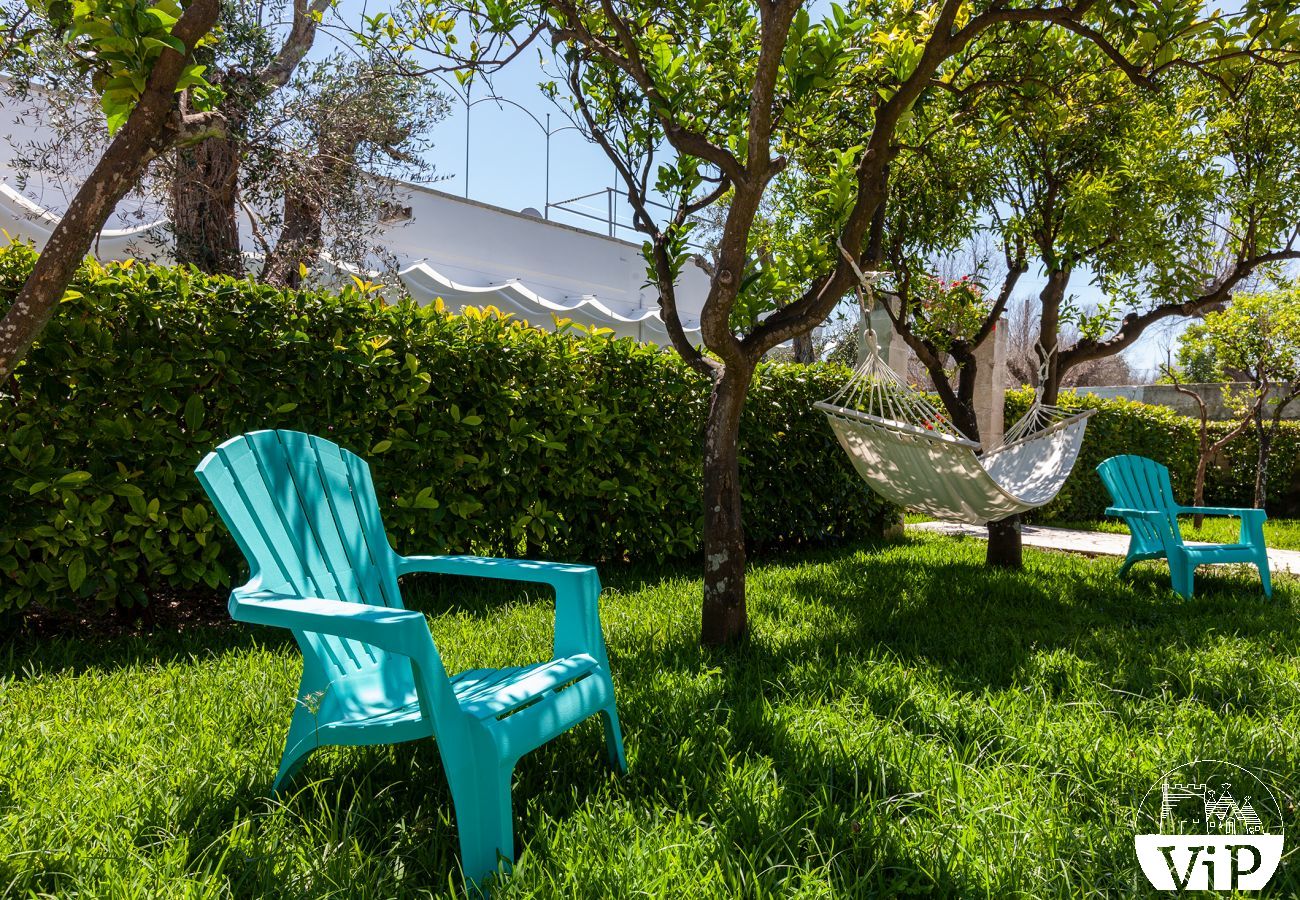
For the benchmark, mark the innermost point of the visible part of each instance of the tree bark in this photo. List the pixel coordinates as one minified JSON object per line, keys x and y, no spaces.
{"x":204,"y":198}
{"x":300,"y":241}
{"x":302,"y":235}
{"x":1005,"y":550}
{"x":155,"y":124}
{"x":1049,"y":330}
{"x":205,"y":181}
{"x":1198,"y":489}
{"x":803,"y":348}
{"x":724,"y":617}
{"x":1265,"y":435}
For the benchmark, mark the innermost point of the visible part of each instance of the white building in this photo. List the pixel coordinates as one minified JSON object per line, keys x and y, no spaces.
{"x":465,"y":252}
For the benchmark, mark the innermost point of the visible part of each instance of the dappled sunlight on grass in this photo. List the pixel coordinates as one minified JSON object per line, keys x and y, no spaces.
{"x":901,"y":720}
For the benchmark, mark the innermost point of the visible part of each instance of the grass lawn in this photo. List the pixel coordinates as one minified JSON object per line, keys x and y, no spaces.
{"x":1279,"y":534}
{"x":903,"y":721}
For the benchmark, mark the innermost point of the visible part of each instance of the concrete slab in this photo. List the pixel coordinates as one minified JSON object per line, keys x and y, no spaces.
{"x":1090,"y":543}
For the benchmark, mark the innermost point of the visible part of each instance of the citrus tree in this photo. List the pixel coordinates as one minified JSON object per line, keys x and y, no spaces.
{"x":699,"y":104}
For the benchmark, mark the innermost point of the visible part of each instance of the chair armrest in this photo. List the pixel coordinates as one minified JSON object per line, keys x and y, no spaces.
{"x":554,"y":574}
{"x":401,"y":631}
{"x":1225,"y":511}
{"x":577,"y":590}
{"x":1252,"y":521}
{"x":1148,"y":514}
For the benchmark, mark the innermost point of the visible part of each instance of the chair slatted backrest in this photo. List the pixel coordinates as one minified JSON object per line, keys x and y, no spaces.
{"x":1136,"y":482}
{"x":304,"y":512}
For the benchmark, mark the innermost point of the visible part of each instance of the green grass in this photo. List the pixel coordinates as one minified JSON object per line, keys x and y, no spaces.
{"x":903,"y":721}
{"x":1279,"y":534}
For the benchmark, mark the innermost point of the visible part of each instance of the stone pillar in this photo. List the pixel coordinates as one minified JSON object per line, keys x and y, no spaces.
{"x":991,"y":387}
{"x":893,"y":349}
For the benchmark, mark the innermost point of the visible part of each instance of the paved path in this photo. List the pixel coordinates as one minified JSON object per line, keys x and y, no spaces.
{"x":1092,"y":543}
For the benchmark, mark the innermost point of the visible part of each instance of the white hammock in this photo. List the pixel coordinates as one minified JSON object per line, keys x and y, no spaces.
{"x":909,"y":452}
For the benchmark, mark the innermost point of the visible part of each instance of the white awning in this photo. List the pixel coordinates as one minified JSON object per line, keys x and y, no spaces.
{"x":23,"y":218}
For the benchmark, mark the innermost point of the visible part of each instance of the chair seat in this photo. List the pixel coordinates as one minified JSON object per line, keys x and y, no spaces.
{"x":377,"y":699}
{"x":1210,"y":553}
{"x":484,"y":693}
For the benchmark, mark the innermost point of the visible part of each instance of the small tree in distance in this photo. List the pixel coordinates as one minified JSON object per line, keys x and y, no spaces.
{"x":1207,"y":448}
{"x":1256,"y":340}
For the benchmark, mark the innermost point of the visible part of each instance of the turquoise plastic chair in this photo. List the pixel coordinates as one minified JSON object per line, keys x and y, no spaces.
{"x":305,"y":515}
{"x":1144,"y":499}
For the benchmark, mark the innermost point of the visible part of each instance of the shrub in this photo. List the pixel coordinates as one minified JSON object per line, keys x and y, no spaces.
{"x":485,"y":435}
{"x":1125,"y":426}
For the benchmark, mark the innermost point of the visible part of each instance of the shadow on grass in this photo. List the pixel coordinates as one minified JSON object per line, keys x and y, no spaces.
{"x":982,"y":626}
{"x":25,"y":658}
{"x":694,"y":717}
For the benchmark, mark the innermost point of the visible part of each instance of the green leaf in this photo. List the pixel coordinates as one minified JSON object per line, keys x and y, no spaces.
{"x":76,"y":573}
{"x":194,"y":412}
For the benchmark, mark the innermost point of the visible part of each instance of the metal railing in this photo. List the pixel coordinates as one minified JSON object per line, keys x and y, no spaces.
{"x":613,"y":226}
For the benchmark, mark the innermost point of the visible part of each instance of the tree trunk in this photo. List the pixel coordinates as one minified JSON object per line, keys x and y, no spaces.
{"x":1198,"y":488}
{"x":300,"y":242}
{"x":153,"y":125}
{"x":204,"y":197}
{"x":803,"y":348}
{"x":1049,"y":327}
{"x":1005,"y":550}
{"x":1261,"y":467}
{"x":724,"y":618}
{"x":302,"y":236}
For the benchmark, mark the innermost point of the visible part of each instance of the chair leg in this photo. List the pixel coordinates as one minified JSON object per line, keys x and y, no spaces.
{"x":1265,"y":576}
{"x":484,"y":821}
{"x":290,"y":764}
{"x":1181,"y":573}
{"x":1128,"y":564}
{"x":614,"y":739}
{"x":298,"y":745}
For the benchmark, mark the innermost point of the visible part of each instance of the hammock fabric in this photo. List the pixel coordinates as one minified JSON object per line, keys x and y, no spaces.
{"x":909,"y":452}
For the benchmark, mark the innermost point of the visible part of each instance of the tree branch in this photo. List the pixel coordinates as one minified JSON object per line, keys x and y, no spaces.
{"x":302,"y":34}
{"x":629,"y":61}
{"x":151,"y":128}
{"x":660,"y":259}
{"x":1135,"y":324}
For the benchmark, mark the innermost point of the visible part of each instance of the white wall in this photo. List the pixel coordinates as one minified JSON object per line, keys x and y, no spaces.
{"x":471,"y":243}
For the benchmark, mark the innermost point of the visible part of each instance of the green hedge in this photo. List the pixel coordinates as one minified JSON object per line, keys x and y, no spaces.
{"x":1124,"y":426}
{"x":485,"y":435}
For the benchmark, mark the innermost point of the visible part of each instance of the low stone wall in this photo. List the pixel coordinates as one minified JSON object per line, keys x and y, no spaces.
{"x":1167,"y":395}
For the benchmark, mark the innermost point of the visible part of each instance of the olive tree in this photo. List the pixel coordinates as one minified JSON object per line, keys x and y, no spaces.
{"x":140,"y":58}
